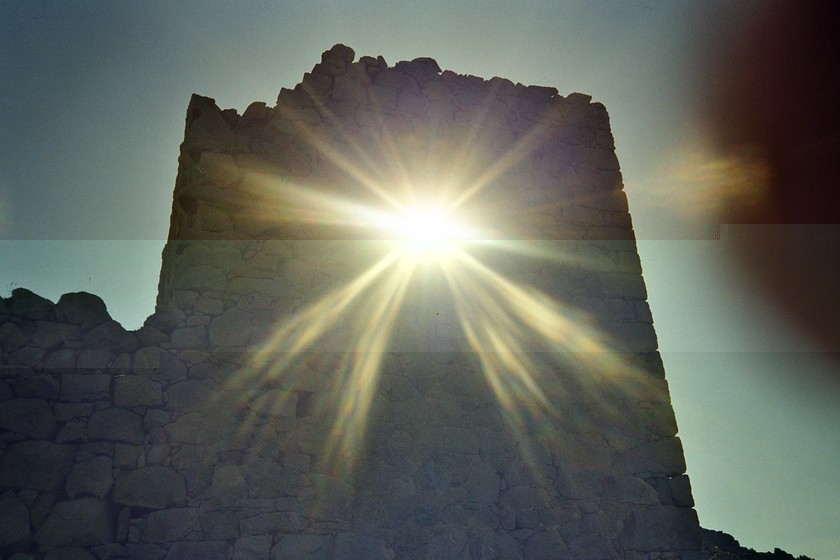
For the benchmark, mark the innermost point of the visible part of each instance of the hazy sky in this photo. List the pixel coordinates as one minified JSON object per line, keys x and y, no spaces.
{"x":92,"y":103}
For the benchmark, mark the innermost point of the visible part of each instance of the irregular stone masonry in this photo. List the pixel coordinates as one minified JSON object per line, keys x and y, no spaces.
{"x":306,"y":391}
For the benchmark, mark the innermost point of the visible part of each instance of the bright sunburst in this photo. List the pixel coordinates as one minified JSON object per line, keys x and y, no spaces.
{"x":513,"y":328}
{"x":427,"y":231}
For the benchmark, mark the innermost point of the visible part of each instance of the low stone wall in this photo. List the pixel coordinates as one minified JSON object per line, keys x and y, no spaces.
{"x":304,"y":391}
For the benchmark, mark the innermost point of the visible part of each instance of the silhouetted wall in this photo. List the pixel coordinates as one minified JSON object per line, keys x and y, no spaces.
{"x":308,"y":389}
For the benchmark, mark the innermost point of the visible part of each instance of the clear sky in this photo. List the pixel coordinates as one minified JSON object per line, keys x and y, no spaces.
{"x":92,"y":103}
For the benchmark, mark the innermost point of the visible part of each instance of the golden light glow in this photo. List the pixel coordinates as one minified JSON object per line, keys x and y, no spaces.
{"x":427,"y":232}
{"x":711,"y":181}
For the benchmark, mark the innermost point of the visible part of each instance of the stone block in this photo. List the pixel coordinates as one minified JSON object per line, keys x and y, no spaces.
{"x":85,"y":386}
{"x":622,"y":284}
{"x":591,"y":547}
{"x":68,"y":553}
{"x":201,"y":278}
{"x":206,"y":550}
{"x":111,"y":336}
{"x":34,"y":464}
{"x":150,"y":487}
{"x":630,"y":490}
{"x":30,"y":305}
{"x":115,"y":424}
{"x":29,"y":417}
{"x":94,"y":477}
{"x":267,"y":479}
{"x":662,"y":528}
{"x":451,"y":542}
{"x":40,"y":506}
{"x":252,"y":548}
{"x":27,"y":356}
{"x":209,"y":306}
{"x":82,"y":308}
{"x":145,"y":551}
{"x":147,"y":358}
{"x":48,"y":334}
{"x":191,"y":394}
{"x":658,"y":420}
{"x":631,"y":337}
{"x":233,"y":328}
{"x":220,"y":525}
{"x":136,"y":390}
{"x":664,"y":457}
{"x":200,"y":428}
{"x":14,"y":522}
{"x":170,"y":525}
{"x":170,"y":368}
{"x":275,"y":402}
{"x":190,"y":337}
{"x":348,"y":89}
{"x":228,"y":484}
{"x":680,"y":491}
{"x":78,"y":523}
{"x":11,"y":336}
{"x":121,"y":364}
{"x":578,"y":484}
{"x":69,"y":411}
{"x":303,"y":547}
{"x":221,"y":169}
{"x":64,"y":358}
{"x":272,"y":523}
{"x":522,"y":497}
{"x":94,"y":359}
{"x":197,"y":466}
{"x":546,"y":545}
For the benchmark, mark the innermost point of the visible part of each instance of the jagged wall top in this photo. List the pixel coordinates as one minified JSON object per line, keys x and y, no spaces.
{"x":337,"y":72}
{"x":349,"y":123}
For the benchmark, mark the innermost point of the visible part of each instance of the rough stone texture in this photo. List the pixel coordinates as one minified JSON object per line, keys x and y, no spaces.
{"x":83,"y":523}
{"x":92,"y":477}
{"x":29,"y":417}
{"x":150,"y":487}
{"x":82,"y":308}
{"x":35,"y":465}
{"x":170,"y":525}
{"x":135,"y":390}
{"x":115,"y":424}
{"x":14,"y":522}
{"x":518,"y":409}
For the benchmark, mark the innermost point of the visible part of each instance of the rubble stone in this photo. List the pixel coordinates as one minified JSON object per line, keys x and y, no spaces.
{"x":92,"y":477}
{"x":37,"y":465}
{"x":150,"y":487}
{"x":14,"y":522}
{"x":82,"y":308}
{"x":115,"y":424}
{"x":82,"y":523}
{"x":30,"y":417}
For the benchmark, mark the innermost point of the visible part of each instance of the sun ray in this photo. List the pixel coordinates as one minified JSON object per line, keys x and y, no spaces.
{"x":522,"y":148}
{"x":389,"y":154}
{"x":524,"y":339}
{"x":361,"y":381}
{"x":309,"y":325}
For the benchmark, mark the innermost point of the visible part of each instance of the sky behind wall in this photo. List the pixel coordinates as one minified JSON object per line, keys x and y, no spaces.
{"x":92,"y":105}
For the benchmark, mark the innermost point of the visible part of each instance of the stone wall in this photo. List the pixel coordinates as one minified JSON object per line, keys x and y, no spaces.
{"x":308,"y":389}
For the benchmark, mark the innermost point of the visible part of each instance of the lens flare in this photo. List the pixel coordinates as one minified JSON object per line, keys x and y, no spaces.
{"x":521,"y":336}
{"x":427,"y":232}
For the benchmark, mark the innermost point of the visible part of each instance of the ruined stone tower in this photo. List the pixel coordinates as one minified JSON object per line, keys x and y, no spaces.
{"x":323,"y":380}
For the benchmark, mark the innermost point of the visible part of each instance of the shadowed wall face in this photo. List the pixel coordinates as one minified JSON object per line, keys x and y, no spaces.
{"x":324,"y":378}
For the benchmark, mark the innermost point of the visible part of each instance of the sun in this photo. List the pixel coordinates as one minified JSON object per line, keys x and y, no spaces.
{"x":428,"y":231}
